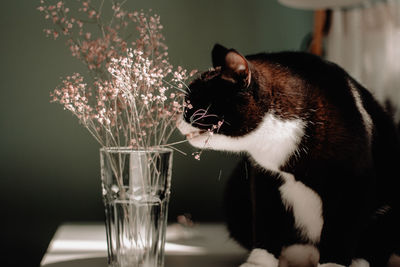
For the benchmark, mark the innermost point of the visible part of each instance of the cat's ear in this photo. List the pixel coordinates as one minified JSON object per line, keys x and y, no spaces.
{"x":237,"y":68}
{"x":234,"y":66}
{"x":218,"y":55}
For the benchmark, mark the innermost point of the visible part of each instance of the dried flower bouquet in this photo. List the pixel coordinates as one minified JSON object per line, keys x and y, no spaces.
{"x":133,"y":95}
{"x":129,"y":102}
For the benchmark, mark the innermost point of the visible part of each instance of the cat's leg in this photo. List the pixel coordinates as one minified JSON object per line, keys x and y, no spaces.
{"x":337,"y":230}
{"x":292,"y":256}
{"x":308,"y":256}
{"x":260,"y":258}
{"x":306,"y":207}
{"x":338,"y":247}
{"x":345,"y":217}
{"x":380,"y":242}
{"x":256,"y":216}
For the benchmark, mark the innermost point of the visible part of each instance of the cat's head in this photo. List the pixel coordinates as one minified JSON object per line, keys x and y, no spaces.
{"x":222,"y":102}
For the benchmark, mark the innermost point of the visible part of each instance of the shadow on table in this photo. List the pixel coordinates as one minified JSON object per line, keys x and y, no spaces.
{"x":170,"y":261}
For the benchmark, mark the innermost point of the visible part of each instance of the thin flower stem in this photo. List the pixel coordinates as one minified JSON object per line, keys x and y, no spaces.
{"x":176,"y":149}
{"x":129,"y":100}
{"x":175,"y":143}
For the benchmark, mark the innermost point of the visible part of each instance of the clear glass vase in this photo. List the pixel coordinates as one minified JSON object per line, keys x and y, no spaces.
{"x":136,"y":188}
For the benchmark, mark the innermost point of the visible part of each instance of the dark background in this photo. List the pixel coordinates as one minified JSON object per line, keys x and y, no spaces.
{"x":49,"y":164}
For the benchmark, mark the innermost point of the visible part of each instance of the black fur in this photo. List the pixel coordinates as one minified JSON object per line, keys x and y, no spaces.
{"x":355,"y":177}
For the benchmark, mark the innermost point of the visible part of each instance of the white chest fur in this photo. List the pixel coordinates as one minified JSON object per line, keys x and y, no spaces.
{"x":271,"y":144}
{"x":274,"y":141}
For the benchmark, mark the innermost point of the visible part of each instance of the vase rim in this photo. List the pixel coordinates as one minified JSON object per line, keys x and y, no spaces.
{"x":125,"y":149}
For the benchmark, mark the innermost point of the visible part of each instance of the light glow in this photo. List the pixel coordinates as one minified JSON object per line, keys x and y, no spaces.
{"x":82,"y":246}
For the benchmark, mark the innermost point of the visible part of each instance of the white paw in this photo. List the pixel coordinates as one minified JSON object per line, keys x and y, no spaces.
{"x":260,"y":258}
{"x":359,"y":263}
{"x":394,"y":261}
{"x":354,"y":263}
{"x":299,"y":255}
{"x":248,"y":265}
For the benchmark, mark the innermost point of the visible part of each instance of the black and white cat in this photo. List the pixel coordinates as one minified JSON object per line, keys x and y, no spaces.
{"x":318,"y":183}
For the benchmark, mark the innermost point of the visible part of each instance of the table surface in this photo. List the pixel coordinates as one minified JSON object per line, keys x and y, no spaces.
{"x":83,"y":244}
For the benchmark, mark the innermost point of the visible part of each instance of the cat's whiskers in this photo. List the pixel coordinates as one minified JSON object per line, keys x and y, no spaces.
{"x":201,"y":114}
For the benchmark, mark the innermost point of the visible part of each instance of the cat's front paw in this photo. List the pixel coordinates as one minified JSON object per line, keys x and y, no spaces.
{"x":260,"y":258}
{"x":299,"y":255}
{"x":354,"y":263}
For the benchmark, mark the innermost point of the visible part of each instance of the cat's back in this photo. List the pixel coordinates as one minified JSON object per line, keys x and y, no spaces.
{"x":298,"y":63}
{"x":309,"y":76}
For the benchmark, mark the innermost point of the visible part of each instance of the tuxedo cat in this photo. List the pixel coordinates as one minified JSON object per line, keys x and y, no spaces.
{"x":318,"y":182}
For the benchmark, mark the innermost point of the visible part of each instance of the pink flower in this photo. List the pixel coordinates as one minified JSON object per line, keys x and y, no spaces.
{"x":128,"y":99}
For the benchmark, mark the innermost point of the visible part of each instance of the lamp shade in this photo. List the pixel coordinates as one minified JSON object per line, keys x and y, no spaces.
{"x":319,"y":4}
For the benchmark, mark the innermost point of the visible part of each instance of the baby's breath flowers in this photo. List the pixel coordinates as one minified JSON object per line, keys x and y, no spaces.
{"x":133,"y":95}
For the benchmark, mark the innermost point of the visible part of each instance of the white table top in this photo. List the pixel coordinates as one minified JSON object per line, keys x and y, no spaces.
{"x":75,"y":245}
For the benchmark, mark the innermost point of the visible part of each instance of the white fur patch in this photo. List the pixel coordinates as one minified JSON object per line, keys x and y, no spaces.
{"x":185,"y":127}
{"x":359,"y":263}
{"x":368,"y":124}
{"x":354,"y":263}
{"x":330,"y":265}
{"x":306,"y":206}
{"x":270,"y":144}
{"x":394,"y":260}
{"x":260,"y":258}
{"x":299,"y":255}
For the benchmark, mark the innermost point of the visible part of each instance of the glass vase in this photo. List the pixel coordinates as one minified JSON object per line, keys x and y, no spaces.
{"x":136,"y":188}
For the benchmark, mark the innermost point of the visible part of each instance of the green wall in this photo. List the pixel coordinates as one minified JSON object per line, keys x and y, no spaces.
{"x":49,"y":164}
